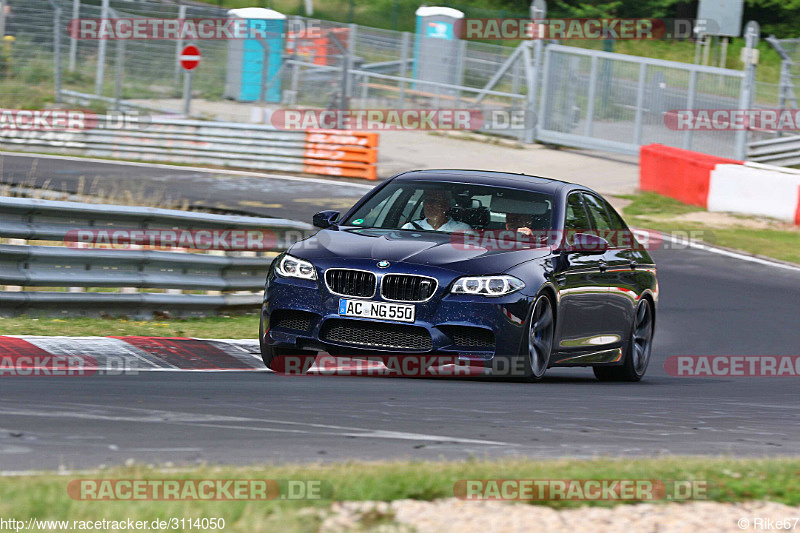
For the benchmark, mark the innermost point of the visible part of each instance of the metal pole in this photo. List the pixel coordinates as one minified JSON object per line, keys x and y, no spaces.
{"x":723,"y":55}
{"x":707,"y":49}
{"x":697,"y":44}
{"x":179,"y":47}
{"x":120,"y":72}
{"x":3,"y":18}
{"x":462,"y":57}
{"x":73,"y":43}
{"x":751,"y":34}
{"x":590,"y":104}
{"x":350,"y":54}
{"x":404,"y":46}
{"x":687,"y":135}
{"x":57,"y":50}
{"x":637,"y":124}
{"x":101,"y":56}
{"x":538,"y":52}
{"x":187,"y":93}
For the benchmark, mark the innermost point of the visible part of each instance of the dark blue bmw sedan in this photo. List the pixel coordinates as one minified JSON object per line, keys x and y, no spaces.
{"x":511,"y":272}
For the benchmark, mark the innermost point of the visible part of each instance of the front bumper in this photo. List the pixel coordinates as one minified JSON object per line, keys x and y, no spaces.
{"x":475,"y":328}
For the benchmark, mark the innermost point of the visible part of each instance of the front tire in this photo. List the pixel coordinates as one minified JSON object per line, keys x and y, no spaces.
{"x":276,"y":359}
{"x":540,"y":335}
{"x":640,"y":345}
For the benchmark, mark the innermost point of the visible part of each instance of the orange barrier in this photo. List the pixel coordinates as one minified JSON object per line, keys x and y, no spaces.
{"x":677,"y":173}
{"x":315,"y":44}
{"x":349,"y":154}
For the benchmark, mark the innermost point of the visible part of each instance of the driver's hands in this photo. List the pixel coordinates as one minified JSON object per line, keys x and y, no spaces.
{"x":525,"y":231}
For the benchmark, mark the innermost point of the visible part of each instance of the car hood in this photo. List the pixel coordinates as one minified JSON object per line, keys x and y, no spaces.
{"x":422,"y":248}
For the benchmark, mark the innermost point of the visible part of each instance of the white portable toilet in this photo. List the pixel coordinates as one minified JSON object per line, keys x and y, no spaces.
{"x":436,"y":46}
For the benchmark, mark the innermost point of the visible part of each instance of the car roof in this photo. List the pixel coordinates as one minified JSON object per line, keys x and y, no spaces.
{"x":489,"y":177}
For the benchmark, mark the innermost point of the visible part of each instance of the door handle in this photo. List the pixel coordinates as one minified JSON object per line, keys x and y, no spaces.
{"x":634,"y":264}
{"x":603,"y":265}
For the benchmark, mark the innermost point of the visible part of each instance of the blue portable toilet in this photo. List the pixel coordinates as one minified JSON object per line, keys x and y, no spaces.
{"x":436,"y":47}
{"x":246,"y":73}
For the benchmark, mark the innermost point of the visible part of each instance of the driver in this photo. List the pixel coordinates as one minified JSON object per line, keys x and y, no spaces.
{"x":435,"y":204}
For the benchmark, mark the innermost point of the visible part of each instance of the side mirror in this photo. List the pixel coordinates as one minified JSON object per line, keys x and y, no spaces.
{"x":588,"y":243}
{"x":325,"y":219}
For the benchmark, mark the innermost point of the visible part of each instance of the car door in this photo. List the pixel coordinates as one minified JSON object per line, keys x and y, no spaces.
{"x":581,"y":285}
{"x":620,"y":264}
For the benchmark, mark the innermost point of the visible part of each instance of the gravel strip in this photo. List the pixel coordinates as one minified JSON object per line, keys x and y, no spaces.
{"x":480,"y":517}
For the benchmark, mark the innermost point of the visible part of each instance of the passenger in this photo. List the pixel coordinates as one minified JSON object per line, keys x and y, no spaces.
{"x":519,"y":222}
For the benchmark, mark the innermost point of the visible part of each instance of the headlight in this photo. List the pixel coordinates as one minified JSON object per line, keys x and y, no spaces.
{"x":487,"y":285}
{"x":292,"y":267}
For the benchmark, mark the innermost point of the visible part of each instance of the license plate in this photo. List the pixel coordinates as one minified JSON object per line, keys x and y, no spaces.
{"x":379,"y":310}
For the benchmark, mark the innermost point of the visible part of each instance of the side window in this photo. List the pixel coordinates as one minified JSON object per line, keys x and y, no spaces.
{"x":616,"y":220}
{"x":576,"y":220}
{"x":598,"y":213}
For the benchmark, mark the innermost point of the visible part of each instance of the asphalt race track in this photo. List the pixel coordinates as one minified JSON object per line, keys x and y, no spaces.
{"x":175,"y":186}
{"x":711,"y":304}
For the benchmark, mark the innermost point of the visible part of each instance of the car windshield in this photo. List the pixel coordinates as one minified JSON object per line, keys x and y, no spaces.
{"x":450,"y":207}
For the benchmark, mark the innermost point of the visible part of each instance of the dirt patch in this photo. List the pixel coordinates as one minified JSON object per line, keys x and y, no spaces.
{"x":468,"y":516}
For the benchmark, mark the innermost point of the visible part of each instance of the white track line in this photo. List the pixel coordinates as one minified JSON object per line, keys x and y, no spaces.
{"x":728,"y":253}
{"x":192,"y":169}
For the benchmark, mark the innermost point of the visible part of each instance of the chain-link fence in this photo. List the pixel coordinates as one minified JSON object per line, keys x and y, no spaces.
{"x":618,"y":102}
{"x":582,"y":97}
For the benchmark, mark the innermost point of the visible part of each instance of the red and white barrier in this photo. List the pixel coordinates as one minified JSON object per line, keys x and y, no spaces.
{"x":720,"y":184}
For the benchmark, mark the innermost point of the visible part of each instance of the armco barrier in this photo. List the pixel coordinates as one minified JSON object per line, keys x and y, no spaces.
{"x":348,"y":154}
{"x":720,"y":184}
{"x":677,"y":173}
{"x":236,"y":278}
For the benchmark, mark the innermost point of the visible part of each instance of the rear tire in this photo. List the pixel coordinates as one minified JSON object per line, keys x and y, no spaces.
{"x":640,"y":345}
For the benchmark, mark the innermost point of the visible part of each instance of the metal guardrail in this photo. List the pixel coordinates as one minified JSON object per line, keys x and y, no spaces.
{"x":25,"y":265}
{"x":326,"y":152}
{"x":783,"y":151}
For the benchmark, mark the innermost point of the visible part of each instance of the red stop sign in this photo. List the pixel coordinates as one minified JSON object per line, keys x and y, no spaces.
{"x":190,"y":57}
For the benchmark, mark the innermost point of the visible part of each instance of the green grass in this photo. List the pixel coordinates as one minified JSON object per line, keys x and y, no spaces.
{"x":45,"y":496}
{"x":222,"y":327}
{"x":653,"y":211}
